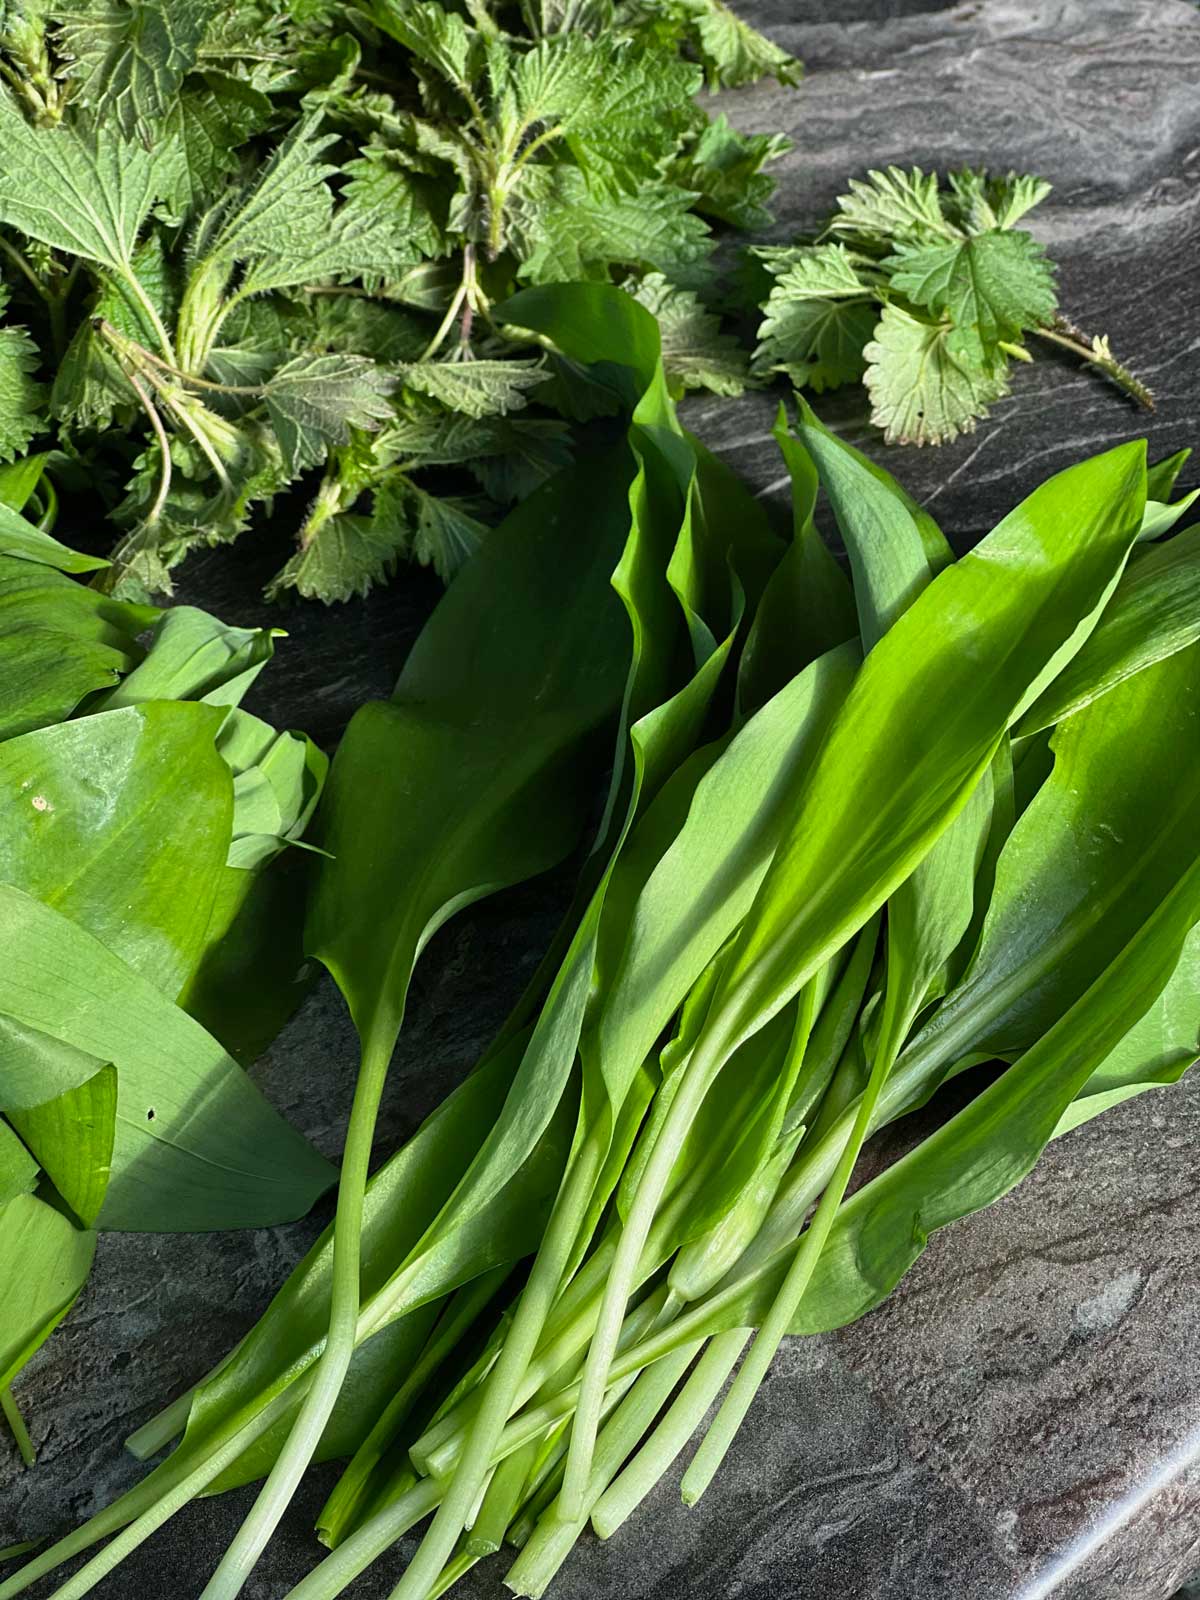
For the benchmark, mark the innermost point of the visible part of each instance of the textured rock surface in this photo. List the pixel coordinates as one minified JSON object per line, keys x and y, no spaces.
{"x":1036,"y":1381}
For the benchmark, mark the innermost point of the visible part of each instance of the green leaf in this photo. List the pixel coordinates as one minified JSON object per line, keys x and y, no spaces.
{"x":127,"y":60}
{"x":562,"y":232}
{"x":986,"y":1149}
{"x":214,"y":115}
{"x":993,"y":286}
{"x":348,"y":555}
{"x":196,"y":1144}
{"x":1027,"y":596}
{"x":475,"y":388}
{"x":195,"y":656}
{"x":921,"y":392}
{"x":20,"y":538}
{"x":723,"y":168}
{"x":22,"y":398}
{"x":72,"y":1136}
{"x":19,"y":479}
{"x":818,"y":317}
{"x":1154,"y":612}
{"x":696,"y":353}
{"x":87,"y":196}
{"x":18,"y":1169}
{"x":983,"y":202}
{"x":733,"y":52}
{"x":44,"y":1266}
{"x":121,"y":821}
{"x":887,"y":208}
{"x":313,"y":402}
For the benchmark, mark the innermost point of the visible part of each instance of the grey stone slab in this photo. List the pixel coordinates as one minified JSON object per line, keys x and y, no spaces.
{"x":1030,"y":1395}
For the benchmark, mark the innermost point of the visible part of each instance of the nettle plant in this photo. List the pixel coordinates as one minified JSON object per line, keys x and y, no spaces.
{"x":254,"y":244}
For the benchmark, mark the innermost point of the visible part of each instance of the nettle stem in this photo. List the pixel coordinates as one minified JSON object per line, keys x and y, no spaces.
{"x":1097,"y":352}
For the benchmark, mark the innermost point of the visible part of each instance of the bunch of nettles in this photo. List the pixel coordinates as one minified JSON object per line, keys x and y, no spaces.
{"x":923,"y":292}
{"x":255,"y":248}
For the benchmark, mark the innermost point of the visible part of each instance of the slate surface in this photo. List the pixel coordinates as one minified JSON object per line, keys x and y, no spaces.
{"x":1035,"y":1384}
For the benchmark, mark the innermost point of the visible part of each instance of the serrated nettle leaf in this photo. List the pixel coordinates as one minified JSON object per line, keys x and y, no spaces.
{"x":724,"y":169}
{"x":22,"y":397}
{"x":127,"y":61}
{"x":436,"y":36}
{"x":477,"y":388}
{"x":887,"y":207}
{"x":346,"y":556}
{"x":993,"y":286}
{"x":696,"y":353}
{"x":733,"y":52}
{"x":313,"y":402}
{"x":442,"y":531}
{"x":288,"y":201}
{"x":983,"y":201}
{"x":214,"y":115}
{"x":921,"y":392}
{"x":820,"y":343}
{"x":87,"y":196}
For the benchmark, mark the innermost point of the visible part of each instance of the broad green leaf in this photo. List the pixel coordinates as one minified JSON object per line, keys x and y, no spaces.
{"x":194,"y":656}
{"x":44,"y":1265}
{"x":1154,"y":611}
{"x":1157,"y":1050}
{"x":122,"y":822}
{"x":72,"y":1136}
{"x":987,"y":1148}
{"x":19,"y":479}
{"x":923,"y":720}
{"x":1098,"y":847}
{"x":20,"y":538}
{"x":18,"y":1169}
{"x":196,"y":1144}
{"x":34,"y":1066}
{"x":278,"y":778}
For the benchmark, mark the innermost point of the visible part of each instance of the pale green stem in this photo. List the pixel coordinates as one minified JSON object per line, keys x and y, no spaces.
{"x":334,"y":1362}
{"x":16,"y":1423}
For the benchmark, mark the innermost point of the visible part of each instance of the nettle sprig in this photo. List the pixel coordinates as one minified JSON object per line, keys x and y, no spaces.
{"x":257,"y":250}
{"x":925,"y":292}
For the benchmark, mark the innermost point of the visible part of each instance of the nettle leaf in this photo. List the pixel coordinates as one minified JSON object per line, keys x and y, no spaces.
{"x":734,"y":53}
{"x":921,"y":392}
{"x":210,"y":120}
{"x":475,"y":388}
{"x":22,"y":397}
{"x":129,"y":58}
{"x":993,"y":286}
{"x":892,"y":207}
{"x":287,"y":205}
{"x":314,"y":400}
{"x":348,"y":556}
{"x":563,"y":232}
{"x":818,"y":317}
{"x":724,"y":170}
{"x":436,"y":36}
{"x":442,"y":532}
{"x":982,"y":202}
{"x":89,"y":197}
{"x":695,"y":351}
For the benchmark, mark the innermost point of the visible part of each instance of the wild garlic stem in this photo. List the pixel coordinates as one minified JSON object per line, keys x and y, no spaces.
{"x":16,"y":1423}
{"x":334,"y":1362}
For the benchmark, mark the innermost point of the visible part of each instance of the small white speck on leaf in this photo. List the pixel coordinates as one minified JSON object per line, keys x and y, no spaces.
{"x":40,"y":803}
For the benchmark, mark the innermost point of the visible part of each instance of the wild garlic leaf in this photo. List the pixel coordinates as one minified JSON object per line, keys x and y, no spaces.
{"x":475,"y":388}
{"x":696,"y":352}
{"x":733,"y":52}
{"x":993,"y":286}
{"x":313,"y":401}
{"x":128,"y":58}
{"x":45,"y":1264}
{"x":921,"y":392}
{"x":22,"y":397}
{"x":75,"y":192}
{"x":886,"y":208}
